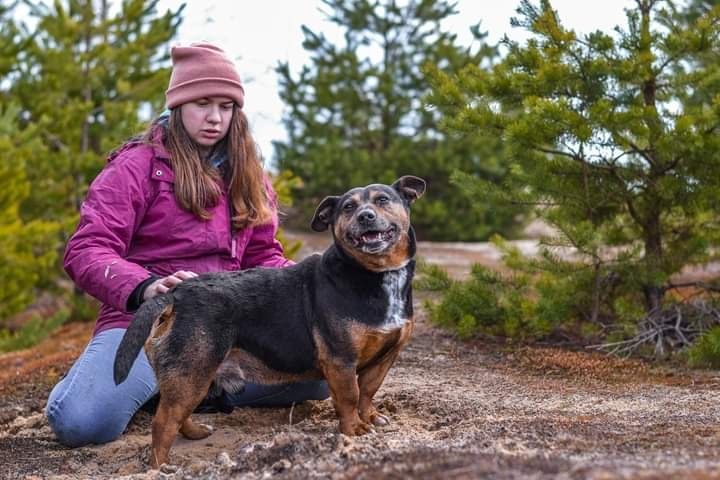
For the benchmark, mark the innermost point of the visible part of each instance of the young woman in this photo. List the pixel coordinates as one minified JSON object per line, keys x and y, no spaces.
{"x":188,"y":197}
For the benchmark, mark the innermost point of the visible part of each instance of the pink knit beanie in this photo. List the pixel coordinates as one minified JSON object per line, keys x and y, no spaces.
{"x":202,"y":70}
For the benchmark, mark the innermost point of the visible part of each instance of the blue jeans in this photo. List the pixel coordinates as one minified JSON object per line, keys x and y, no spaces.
{"x":87,"y":407}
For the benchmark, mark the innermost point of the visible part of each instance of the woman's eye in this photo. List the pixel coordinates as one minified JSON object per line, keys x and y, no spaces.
{"x":227,"y":106}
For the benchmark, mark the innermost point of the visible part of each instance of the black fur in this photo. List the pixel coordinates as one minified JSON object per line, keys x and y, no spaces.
{"x":136,"y":334}
{"x":267,"y":312}
{"x":272,"y":313}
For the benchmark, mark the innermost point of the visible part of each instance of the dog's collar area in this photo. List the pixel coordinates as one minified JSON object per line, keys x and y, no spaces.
{"x":397,"y":269}
{"x":346,"y":260}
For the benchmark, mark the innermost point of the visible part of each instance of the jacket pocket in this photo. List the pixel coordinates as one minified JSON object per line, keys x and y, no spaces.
{"x":180,"y":231}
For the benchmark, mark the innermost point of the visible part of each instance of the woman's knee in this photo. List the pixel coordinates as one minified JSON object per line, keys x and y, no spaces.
{"x":76,"y":423}
{"x":86,"y":406}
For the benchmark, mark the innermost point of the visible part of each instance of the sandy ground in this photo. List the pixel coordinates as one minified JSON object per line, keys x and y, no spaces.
{"x":457,"y":410}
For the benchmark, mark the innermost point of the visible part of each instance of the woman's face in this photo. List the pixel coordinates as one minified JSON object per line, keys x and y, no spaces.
{"x":207,"y":120}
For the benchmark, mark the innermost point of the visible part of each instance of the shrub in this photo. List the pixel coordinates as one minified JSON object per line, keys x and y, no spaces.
{"x":431,"y":277}
{"x":33,"y":332}
{"x":705,"y":352}
{"x":487,"y":303}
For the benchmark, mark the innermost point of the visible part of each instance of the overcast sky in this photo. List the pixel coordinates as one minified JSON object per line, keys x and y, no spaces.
{"x":260,"y":33}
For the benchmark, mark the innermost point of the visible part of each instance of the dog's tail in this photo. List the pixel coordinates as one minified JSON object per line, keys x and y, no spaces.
{"x":137,"y":333}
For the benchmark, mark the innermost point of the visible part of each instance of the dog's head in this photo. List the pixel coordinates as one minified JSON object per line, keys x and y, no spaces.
{"x":372,"y":224}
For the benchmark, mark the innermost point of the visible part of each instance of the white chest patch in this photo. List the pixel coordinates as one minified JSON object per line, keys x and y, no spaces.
{"x":394,"y":284}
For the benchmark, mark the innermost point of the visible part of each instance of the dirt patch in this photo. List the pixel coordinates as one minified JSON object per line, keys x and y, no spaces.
{"x":587,"y":366}
{"x":457,"y":410}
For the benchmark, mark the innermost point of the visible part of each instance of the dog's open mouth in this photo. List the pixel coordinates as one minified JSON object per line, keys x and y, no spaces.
{"x":374,"y":240}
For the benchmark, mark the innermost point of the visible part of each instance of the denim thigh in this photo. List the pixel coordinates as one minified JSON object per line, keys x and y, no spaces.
{"x":86,"y":406}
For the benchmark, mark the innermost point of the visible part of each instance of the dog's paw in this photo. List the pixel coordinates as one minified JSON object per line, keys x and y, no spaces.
{"x":195,"y":431}
{"x":357,"y":428}
{"x":379,"y":420}
{"x":375,"y":418}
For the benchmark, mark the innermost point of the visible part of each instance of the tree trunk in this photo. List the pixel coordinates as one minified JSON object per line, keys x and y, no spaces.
{"x":653,"y":291}
{"x":652,"y":226}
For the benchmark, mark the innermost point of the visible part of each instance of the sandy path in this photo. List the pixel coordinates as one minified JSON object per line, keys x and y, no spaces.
{"x":457,"y":411}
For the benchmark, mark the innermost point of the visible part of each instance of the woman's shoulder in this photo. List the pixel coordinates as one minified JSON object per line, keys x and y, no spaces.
{"x":134,"y":162}
{"x":136,"y":152}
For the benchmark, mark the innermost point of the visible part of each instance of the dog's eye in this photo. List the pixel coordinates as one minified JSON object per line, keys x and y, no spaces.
{"x":382,"y":200}
{"x":349,"y":207}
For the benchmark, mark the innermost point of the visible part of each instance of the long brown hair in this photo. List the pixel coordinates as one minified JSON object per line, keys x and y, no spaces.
{"x":197,"y":183}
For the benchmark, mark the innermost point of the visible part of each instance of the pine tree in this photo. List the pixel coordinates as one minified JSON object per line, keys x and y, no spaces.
{"x":13,"y":40}
{"x":83,"y":82}
{"x":27,"y":249}
{"x":355,"y":115}
{"x":615,"y":141}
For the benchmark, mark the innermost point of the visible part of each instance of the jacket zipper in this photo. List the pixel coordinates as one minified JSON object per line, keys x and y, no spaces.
{"x":233,"y":237}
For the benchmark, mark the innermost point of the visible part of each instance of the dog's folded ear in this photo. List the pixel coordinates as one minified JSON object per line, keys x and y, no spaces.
{"x":323,"y":214}
{"x":409,"y":187}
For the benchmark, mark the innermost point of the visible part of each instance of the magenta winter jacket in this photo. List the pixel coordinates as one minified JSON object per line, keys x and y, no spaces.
{"x":131,"y":226}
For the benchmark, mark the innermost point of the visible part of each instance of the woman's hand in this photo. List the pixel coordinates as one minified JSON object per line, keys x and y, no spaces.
{"x":162,"y":285}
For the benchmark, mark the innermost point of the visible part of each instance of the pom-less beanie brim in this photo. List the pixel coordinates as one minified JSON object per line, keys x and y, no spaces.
{"x":203,"y":88}
{"x":202,"y":70}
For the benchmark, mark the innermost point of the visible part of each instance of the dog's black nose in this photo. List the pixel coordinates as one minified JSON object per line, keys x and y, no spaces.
{"x":366,"y":216}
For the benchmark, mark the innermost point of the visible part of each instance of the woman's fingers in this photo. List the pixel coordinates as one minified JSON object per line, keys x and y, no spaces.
{"x":184,"y":274}
{"x":177,"y":277}
{"x":164,"y":284}
{"x":171,"y":280}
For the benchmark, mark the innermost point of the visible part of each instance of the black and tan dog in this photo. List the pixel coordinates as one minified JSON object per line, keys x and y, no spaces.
{"x":343,"y":316}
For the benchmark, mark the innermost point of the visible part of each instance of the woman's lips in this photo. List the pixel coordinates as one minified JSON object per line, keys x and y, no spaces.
{"x":210,"y":133}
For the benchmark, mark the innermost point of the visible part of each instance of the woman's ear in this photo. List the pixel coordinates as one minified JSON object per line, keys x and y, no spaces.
{"x":324,"y":214}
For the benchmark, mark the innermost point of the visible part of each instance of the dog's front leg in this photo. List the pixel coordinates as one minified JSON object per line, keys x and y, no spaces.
{"x":370,"y":379}
{"x":345,"y":394}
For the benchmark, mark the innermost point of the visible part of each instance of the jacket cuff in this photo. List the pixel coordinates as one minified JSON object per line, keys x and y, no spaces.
{"x":136,"y":296}
{"x":116,"y":289}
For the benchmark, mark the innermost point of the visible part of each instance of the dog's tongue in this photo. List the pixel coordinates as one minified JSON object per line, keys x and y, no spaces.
{"x":372,"y":236}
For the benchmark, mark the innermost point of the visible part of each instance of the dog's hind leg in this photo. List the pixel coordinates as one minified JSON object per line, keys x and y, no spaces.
{"x":195,"y":431}
{"x":178,"y":398}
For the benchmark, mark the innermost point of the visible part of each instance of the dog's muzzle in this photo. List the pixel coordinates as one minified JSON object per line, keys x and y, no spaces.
{"x":371,"y":233}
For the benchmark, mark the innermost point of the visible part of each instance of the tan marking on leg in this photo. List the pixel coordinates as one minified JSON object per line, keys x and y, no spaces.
{"x":195,"y":431}
{"x":178,"y":398}
{"x":371,"y":378}
{"x":369,"y":343}
{"x":344,"y":390}
{"x":159,"y":331}
{"x":345,"y":393}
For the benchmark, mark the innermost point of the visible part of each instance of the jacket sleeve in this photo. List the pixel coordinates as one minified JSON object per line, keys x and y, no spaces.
{"x":113,"y":208}
{"x":263,"y":249}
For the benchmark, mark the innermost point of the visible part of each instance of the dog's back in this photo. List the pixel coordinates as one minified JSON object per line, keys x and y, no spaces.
{"x":262,"y":312}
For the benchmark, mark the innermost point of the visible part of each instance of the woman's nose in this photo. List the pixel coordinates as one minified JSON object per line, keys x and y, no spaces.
{"x":213,"y":115}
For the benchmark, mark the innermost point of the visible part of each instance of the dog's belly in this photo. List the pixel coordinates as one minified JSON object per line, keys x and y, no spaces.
{"x":241,"y":366}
